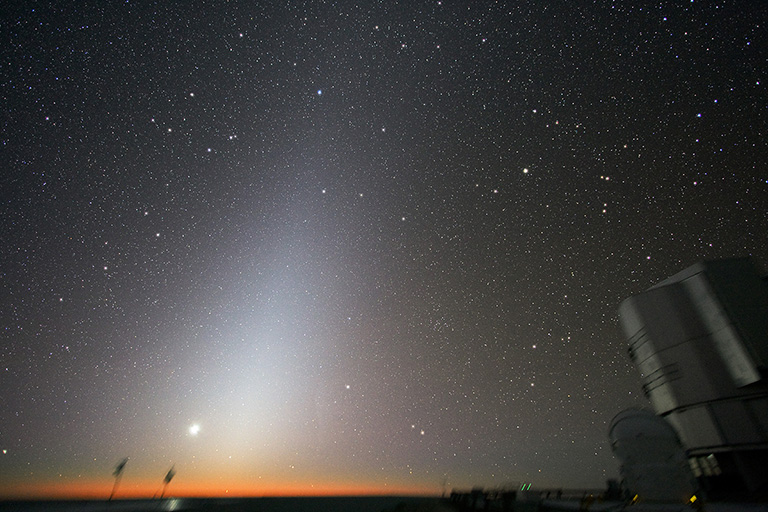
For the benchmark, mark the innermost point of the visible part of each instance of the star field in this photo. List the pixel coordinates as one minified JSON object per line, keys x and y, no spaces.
{"x":345,"y":247}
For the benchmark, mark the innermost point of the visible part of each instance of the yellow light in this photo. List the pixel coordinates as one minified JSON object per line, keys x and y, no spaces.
{"x":693,"y":499}
{"x":635,"y":498}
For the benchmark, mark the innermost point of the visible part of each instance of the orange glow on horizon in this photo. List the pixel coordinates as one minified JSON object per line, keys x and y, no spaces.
{"x":100,"y":490}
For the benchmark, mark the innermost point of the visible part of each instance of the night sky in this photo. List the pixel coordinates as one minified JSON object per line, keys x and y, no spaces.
{"x":353,"y":246}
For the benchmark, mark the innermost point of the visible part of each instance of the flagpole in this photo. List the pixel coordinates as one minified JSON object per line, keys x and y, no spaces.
{"x":118,"y":474}
{"x":167,"y":480}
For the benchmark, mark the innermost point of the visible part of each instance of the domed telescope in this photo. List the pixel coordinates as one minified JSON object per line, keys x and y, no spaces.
{"x":654,"y":466}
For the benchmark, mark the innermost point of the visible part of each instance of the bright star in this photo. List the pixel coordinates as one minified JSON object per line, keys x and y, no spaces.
{"x":194,"y":429}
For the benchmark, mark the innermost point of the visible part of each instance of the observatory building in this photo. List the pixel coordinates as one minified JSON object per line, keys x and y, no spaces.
{"x":700,"y":341}
{"x":653,"y":463}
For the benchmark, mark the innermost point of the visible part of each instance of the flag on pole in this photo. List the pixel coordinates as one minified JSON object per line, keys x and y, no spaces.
{"x":119,"y":469}
{"x":170,"y":475}
{"x":118,"y":473}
